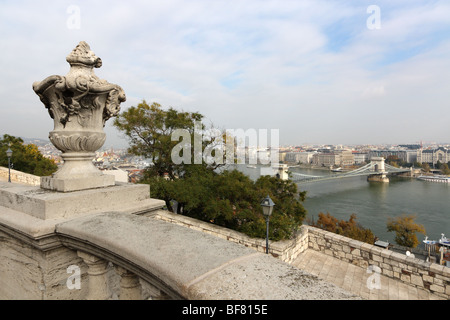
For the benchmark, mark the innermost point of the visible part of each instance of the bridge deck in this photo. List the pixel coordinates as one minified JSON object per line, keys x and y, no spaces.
{"x":368,"y":169}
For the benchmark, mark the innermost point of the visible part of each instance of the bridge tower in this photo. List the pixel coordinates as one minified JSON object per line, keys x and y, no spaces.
{"x":282,"y":171}
{"x":379,"y":170}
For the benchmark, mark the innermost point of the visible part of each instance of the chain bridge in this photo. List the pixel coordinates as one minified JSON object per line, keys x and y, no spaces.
{"x":376,"y":170}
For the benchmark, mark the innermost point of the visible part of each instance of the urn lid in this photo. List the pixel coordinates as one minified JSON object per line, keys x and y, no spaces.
{"x":83,"y":55}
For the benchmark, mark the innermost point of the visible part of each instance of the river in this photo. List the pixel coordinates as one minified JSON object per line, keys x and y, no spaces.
{"x":375,"y":202}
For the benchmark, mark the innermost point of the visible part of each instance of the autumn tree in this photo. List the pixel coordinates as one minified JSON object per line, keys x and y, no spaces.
{"x":350,"y":228}
{"x":405,"y":230}
{"x":26,"y":157}
{"x":426,"y":167}
{"x":445,"y":169}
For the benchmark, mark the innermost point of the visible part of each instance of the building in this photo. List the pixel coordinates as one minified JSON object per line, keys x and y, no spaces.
{"x":432,"y":156}
{"x":409,"y":156}
{"x":361,"y":157}
{"x":119,"y":174}
{"x":299,"y":157}
{"x":338,"y":158}
{"x":325,"y":159}
{"x":346,"y":157}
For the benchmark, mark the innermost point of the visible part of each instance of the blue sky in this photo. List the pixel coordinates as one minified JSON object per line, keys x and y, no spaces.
{"x":312,"y":69}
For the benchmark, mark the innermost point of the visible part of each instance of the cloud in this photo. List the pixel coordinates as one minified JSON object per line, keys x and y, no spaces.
{"x":309,"y":68}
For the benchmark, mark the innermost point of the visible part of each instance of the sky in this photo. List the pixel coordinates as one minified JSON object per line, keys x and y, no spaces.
{"x":319,"y":72}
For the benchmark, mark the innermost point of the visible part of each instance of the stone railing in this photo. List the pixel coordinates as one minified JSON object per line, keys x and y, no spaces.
{"x":120,"y":255}
{"x":20,"y":177}
{"x":286,"y":250}
{"x":145,"y":252}
{"x":426,"y":275}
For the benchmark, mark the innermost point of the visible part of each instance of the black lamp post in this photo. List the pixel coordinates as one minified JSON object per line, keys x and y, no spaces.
{"x":267,"y":207}
{"x":9,"y":154}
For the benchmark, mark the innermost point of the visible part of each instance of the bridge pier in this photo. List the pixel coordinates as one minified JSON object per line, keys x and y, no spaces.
{"x":378,"y":178}
{"x":380,"y":170}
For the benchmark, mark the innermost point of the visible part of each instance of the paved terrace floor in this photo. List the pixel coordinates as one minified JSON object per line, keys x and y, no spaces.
{"x":354,"y":279}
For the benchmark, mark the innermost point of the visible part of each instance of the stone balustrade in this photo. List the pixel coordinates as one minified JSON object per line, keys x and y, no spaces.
{"x":155,"y":254}
{"x":286,"y":250}
{"x":121,"y":255}
{"x":426,"y":275}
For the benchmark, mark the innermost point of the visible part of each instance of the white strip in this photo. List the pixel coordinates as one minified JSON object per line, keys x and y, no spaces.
{"x":221,"y":267}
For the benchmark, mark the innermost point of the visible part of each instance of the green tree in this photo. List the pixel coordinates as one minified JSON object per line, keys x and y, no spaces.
{"x":232,"y":200}
{"x":417,"y":164}
{"x":405,"y":230}
{"x":227,"y":198}
{"x":149,"y":129}
{"x":26,"y":157}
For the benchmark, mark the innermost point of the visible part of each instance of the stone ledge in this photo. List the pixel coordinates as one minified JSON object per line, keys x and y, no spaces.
{"x":192,"y":263}
{"x":286,"y":250}
{"x":45,"y":204}
{"x":70,"y":185}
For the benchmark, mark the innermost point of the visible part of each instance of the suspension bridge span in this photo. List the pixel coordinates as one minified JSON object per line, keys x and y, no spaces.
{"x":376,"y":170}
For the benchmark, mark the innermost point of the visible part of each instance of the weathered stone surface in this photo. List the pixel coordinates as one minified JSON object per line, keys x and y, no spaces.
{"x":46,"y":204}
{"x":262,"y":277}
{"x":29,"y":273}
{"x":192,"y":263}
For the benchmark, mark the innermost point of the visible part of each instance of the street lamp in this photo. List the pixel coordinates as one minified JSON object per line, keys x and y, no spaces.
{"x":9,"y":154}
{"x":267,"y":207}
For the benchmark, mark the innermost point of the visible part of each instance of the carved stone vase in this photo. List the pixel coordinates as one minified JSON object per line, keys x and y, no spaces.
{"x":79,"y":103}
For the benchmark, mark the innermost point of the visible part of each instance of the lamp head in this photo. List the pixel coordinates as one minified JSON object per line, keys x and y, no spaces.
{"x":267,"y":206}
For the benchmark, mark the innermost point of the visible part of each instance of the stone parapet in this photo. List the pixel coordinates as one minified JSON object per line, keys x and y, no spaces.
{"x":163,"y":255}
{"x":128,"y":256}
{"x":425,"y":275}
{"x":20,"y":177}
{"x":190,"y":264}
{"x":286,"y":250}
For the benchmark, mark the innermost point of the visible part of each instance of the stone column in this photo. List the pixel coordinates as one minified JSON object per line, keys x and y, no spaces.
{"x":97,"y":281}
{"x":154,"y":293}
{"x":130,"y":287}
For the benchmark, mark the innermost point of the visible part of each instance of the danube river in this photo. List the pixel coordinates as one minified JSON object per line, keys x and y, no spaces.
{"x":375,"y":202}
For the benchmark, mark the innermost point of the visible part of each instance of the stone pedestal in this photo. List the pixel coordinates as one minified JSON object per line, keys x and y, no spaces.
{"x":46,"y":204}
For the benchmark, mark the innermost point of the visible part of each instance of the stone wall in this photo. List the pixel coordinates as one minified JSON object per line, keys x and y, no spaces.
{"x":285,"y":250}
{"x":426,"y":275}
{"x":20,"y":177}
{"x":28,"y":273}
{"x":421,"y":274}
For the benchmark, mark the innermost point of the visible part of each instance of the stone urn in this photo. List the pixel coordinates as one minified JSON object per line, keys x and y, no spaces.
{"x":79,"y":103}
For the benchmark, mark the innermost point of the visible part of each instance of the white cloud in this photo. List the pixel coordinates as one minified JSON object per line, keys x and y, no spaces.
{"x":310,"y":68}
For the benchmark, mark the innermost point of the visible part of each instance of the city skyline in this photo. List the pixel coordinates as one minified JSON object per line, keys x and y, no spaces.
{"x":322,"y":72}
